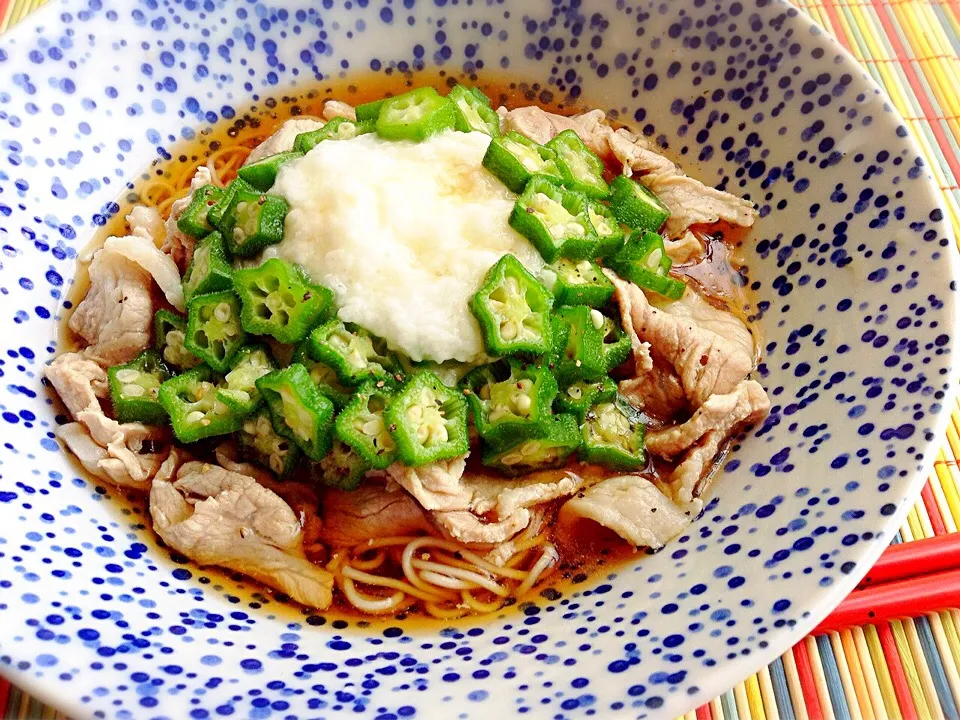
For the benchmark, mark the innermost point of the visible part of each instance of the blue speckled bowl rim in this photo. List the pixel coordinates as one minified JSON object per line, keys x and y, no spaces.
{"x":780,"y":639}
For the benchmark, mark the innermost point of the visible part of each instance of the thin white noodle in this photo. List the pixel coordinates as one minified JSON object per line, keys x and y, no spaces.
{"x":547,"y":559}
{"x":446,"y":581}
{"x":522,"y":548}
{"x":372,"y":564}
{"x":446,"y":613}
{"x":370,"y":604}
{"x":453,"y":547}
{"x":479,"y":606}
{"x":411,"y":574}
{"x":432,"y":594}
{"x":450,"y":560}
{"x":466,"y":575}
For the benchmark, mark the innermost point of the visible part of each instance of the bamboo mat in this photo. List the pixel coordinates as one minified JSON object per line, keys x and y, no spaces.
{"x":904,"y":669}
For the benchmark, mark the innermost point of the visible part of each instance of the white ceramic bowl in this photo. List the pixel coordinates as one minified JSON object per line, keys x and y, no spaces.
{"x":851,"y":258}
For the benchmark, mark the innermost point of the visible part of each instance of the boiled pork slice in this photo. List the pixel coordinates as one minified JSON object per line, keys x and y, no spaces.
{"x":684,"y":351}
{"x":476,"y":508}
{"x":116,"y":314}
{"x":338,"y":109}
{"x":301,"y":497}
{"x":282,"y":140}
{"x":374,"y":510}
{"x":124,"y":454}
{"x":696,"y":442}
{"x":630,"y":506}
{"x":218,"y":517}
{"x":145,"y":222}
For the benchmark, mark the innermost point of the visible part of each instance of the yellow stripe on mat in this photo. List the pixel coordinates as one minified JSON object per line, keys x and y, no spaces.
{"x":910,"y":670}
{"x":848,"y":650}
{"x":754,"y":700}
{"x":884,"y":680}
{"x":743,"y":705}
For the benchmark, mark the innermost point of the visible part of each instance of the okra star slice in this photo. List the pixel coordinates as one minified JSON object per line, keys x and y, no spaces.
{"x":644,"y":262}
{"x":209,"y":270}
{"x":369,"y":110}
{"x":279,"y":300}
{"x":194,"y":220}
{"x":134,"y":389}
{"x":511,"y":407}
{"x":239,"y":389}
{"x":253,"y":221}
{"x":554,"y":220}
{"x":216,"y":213}
{"x":582,"y":170}
{"x":263,"y":173}
{"x":474,"y":114}
{"x":353,"y":353}
{"x":361,"y":425}
{"x":514,"y":159}
{"x":298,"y":409}
{"x":428,"y":421}
{"x":609,"y":233}
{"x":616,"y":343}
{"x":560,"y":438}
{"x":214,"y":333}
{"x":170,"y":331}
{"x":415,"y":115}
{"x":342,"y":467}
{"x":258,"y":441}
{"x":581,"y":355}
{"x":324,"y":377}
{"x":580,"y":395}
{"x":338,"y":128}
{"x":636,"y":206}
{"x":613,"y":436}
{"x":195,"y":412}
{"x":577,"y":282}
{"x":513,"y":310}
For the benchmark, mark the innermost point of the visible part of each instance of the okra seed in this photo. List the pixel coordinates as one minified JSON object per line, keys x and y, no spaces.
{"x":597,"y":318}
{"x":194,"y":417}
{"x":222,"y":312}
{"x":133,"y":391}
{"x":128,"y":375}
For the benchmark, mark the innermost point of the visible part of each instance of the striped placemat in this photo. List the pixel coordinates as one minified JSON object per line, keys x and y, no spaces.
{"x":904,"y":669}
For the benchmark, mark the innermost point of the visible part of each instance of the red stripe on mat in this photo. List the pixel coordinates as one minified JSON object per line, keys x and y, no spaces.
{"x":933,"y":510}
{"x":837,"y":29}
{"x":703,"y":713}
{"x":906,"y":63}
{"x":4,"y":685}
{"x":807,"y":683}
{"x":892,"y":656}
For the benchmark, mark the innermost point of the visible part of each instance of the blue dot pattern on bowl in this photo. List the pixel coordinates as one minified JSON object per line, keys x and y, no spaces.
{"x":851,"y":258}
